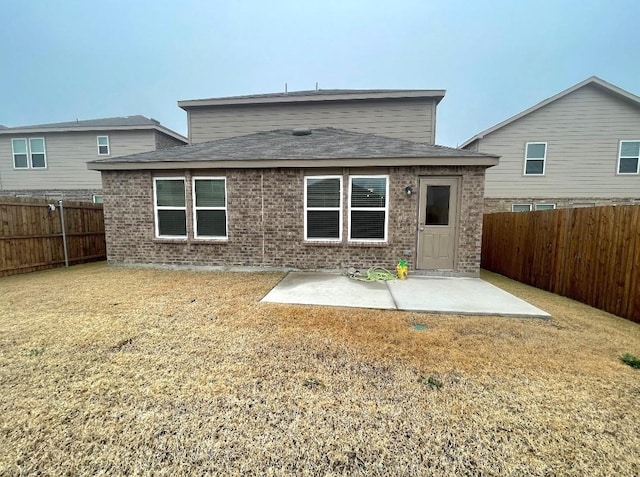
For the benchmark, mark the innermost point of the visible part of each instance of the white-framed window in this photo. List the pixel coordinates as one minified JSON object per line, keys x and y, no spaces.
{"x":103,"y":145}
{"x":29,"y":153}
{"x":97,"y":199}
{"x":520,"y":207}
{"x":545,"y":206}
{"x":323,"y":208}
{"x":210,"y":207}
{"x":170,"y":207}
{"x":629,"y":157}
{"x":368,"y":208}
{"x":535,"y":157}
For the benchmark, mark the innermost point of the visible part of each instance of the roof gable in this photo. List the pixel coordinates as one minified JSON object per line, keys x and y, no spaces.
{"x":592,"y":81}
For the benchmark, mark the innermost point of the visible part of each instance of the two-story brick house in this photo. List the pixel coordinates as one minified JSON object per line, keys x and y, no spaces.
{"x":49,"y":160}
{"x":306,"y":180}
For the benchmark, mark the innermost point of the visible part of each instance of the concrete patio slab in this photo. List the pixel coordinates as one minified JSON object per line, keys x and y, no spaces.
{"x":471,"y":296}
{"x":312,"y":288}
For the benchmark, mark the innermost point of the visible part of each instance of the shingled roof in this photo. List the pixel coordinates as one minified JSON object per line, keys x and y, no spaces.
{"x":103,"y":124}
{"x":320,"y":147}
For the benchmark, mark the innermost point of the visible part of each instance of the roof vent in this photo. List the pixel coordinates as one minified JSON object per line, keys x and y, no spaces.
{"x":301,"y":131}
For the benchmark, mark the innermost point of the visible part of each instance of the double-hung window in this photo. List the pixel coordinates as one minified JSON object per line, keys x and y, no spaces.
{"x":210,"y":207}
{"x":368,"y":208}
{"x":323,"y":208}
{"x":103,"y":145}
{"x":29,"y":153}
{"x":534,"y":158}
{"x":629,"y":157}
{"x":170,"y":208}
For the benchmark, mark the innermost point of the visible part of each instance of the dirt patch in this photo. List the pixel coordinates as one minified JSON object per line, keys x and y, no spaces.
{"x":127,"y":371}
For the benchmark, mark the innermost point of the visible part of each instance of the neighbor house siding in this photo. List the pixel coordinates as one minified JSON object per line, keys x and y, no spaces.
{"x":67,"y":154}
{"x":413,"y":119}
{"x":583,"y":132}
{"x":266,"y":222}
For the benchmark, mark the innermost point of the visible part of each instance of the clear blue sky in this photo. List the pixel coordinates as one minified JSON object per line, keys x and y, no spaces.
{"x":85,"y":59}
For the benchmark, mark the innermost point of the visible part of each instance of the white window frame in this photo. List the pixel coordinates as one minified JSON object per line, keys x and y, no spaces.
{"x":108,"y":153}
{"x":385,"y":208}
{"x":320,"y":209}
{"x":29,"y":152}
{"x":195,"y":209}
{"x":543,"y":159}
{"x":44,"y":152}
{"x":513,"y":206}
{"x":620,"y":157}
{"x":13,"y":151}
{"x":94,"y":196}
{"x":553,"y":206}
{"x":166,"y":207}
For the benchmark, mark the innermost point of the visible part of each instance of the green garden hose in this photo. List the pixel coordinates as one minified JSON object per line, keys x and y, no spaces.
{"x":374,"y":274}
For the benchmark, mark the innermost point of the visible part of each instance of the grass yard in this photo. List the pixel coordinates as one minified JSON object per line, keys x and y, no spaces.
{"x":113,"y":371}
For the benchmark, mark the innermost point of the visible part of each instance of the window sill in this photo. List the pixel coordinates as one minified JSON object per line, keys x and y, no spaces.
{"x":347,"y":244}
{"x":323,"y":243}
{"x":169,"y":240}
{"x":209,"y":241}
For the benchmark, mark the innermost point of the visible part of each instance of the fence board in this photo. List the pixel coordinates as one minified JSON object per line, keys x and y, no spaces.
{"x":31,"y":234}
{"x":589,"y":254}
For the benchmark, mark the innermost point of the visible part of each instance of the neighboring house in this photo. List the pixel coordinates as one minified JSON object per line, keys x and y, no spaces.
{"x":49,"y":160}
{"x":402,"y":114}
{"x":320,"y":198}
{"x":578,"y":148}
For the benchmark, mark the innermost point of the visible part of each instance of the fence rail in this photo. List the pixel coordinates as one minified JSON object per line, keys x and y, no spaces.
{"x":31,"y":235}
{"x":589,"y":254}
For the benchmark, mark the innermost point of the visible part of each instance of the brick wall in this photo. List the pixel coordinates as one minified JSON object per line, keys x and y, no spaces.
{"x":266,"y":222}
{"x":492,"y":205}
{"x":84,"y":195}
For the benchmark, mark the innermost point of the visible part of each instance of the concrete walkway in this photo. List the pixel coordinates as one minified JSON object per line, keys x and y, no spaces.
{"x":469,"y":296}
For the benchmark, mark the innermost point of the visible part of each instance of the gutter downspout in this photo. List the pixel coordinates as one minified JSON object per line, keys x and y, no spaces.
{"x":64,"y":235}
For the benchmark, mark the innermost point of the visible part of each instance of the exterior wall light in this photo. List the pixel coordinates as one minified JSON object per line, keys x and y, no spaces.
{"x":408,"y":190}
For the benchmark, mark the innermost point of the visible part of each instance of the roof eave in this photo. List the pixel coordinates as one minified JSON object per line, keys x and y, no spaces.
{"x":140,"y":127}
{"x":483,"y":160}
{"x":194,"y":103}
{"x":594,"y":80}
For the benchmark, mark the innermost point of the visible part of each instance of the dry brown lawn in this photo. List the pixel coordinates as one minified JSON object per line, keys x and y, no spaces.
{"x":113,"y":371}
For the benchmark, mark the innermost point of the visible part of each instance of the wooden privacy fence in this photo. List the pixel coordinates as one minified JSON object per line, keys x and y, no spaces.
{"x":589,"y":254}
{"x":31,"y":235}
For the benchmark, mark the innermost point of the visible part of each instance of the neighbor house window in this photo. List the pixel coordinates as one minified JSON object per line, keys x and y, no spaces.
{"x":520,"y":207}
{"x":97,"y":199}
{"x":103,"y":146}
{"x":368,"y":208}
{"x":629,"y":157}
{"x":29,"y":153}
{"x":170,"y":208}
{"x":210,"y":207}
{"x":323,"y":208}
{"x":534,"y":159}
{"x":545,"y":206}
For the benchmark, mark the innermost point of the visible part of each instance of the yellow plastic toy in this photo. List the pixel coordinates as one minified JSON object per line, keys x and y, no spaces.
{"x":401,"y":270}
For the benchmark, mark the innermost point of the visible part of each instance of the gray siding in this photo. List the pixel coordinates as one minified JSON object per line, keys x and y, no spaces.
{"x":411,"y":119}
{"x":67,"y":154}
{"x":582,"y":131}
